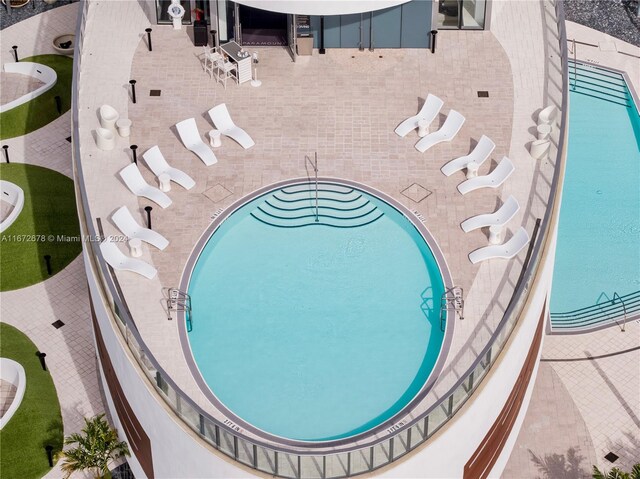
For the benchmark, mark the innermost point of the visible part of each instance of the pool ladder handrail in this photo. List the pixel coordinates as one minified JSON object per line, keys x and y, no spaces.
{"x":180,"y":301}
{"x":451,"y":300}
{"x":624,"y":309}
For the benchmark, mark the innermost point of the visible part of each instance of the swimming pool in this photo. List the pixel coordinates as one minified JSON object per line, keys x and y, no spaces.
{"x":316,"y":330}
{"x":597,"y":252}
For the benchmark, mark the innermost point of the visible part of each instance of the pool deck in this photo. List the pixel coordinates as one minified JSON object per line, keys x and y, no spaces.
{"x":344,"y":105}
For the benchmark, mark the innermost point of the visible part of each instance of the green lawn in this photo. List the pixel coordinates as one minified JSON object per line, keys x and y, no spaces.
{"x":41,"y":110}
{"x":37,"y":422}
{"x":48,"y":225}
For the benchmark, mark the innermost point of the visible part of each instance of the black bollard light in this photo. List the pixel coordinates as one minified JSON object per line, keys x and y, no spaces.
{"x":33,"y":5}
{"x":47,"y":260}
{"x":322,"y":50}
{"x":43,"y":361}
{"x":133,"y":90}
{"x":15,"y":52}
{"x":433,"y":40}
{"x":49,"y":450}
{"x":58,"y":100}
{"x":214,"y":38}
{"x":148,"y":210}
{"x":148,"y":30}
{"x":133,"y":152}
{"x":6,"y":152}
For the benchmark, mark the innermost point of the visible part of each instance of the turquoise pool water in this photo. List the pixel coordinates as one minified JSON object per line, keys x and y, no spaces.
{"x":598,"y":250}
{"x":316,"y":330}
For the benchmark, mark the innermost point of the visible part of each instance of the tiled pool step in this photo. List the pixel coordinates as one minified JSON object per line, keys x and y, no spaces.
{"x":598,"y":83}
{"x":337,"y":206}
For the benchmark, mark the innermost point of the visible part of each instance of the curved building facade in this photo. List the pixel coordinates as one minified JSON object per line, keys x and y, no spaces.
{"x":465,"y":428}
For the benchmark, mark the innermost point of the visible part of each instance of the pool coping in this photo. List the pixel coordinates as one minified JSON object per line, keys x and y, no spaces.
{"x":390,"y":425}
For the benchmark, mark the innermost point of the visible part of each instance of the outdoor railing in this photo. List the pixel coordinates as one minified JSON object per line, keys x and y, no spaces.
{"x":309,"y":463}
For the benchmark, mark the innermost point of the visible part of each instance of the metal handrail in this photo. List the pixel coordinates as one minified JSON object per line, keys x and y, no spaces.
{"x":485,"y":359}
{"x":624,"y":308}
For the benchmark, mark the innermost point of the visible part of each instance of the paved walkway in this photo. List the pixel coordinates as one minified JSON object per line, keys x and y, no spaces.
{"x":70,"y":349}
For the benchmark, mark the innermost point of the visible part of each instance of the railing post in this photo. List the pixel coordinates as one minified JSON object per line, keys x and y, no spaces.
{"x":349,"y":464}
{"x":235,"y":447}
{"x":324,"y":467}
{"x":450,"y":405}
{"x":371,"y":458}
{"x":299,"y":475}
{"x":426,"y":427}
{"x":409,"y":438}
{"x":201,"y":424}
{"x":255,"y":456}
{"x":275,"y":461}
{"x":217,"y":436}
{"x":391,"y":448}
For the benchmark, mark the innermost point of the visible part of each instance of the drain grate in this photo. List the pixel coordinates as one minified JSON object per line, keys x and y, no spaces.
{"x":416,"y":192}
{"x":155,"y":92}
{"x":611,"y":457}
{"x":57,"y":324}
{"x":483,"y":94}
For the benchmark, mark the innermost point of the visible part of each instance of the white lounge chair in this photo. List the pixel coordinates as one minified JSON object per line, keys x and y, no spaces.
{"x":118,"y":260}
{"x":135,"y":182}
{"x":547,"y":116}
{"x":155,"y":161}
{"x":480,"y":153}
{"x":428,"y":112}
{"x":447,"y":132}
{"x":506,"y":250}
{"x":499,"y":218}
{"x":222,"y":120}
{"x":126,"y":223}
{"x":492,"y":180}
{"x":190,"y":136}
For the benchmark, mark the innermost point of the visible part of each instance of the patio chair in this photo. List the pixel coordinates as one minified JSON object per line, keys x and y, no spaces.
{"x":447,"y":132}
{"x":480,"y":153}
{"x":119,"y":261}
{"x":428,"y":112}
{"x":108,"y":117}
{"x":191,"y":139}
{"x":135,"y":182}
{"x":126,"y":223}
{"x":225,"y":70}
{"x":506,"y":250}
{"x":156,"y":163}
{"x":209,"y":58}
{"x":498,"y":218}
{"x":222,"y":120}
{"x":494,"y":179}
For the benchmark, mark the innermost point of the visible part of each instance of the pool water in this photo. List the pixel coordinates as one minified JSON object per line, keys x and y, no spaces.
{"x":598,"y":249}
{"x":316,"y":330}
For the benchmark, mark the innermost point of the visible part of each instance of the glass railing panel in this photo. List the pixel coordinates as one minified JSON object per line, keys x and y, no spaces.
{"x":437,"y":418}
{"x":360,"y":461}
{"x":266,"y":460}
{"x":170,"y":395}
{"x":459,"y":396}
{"x":190,"y":415}
{"x":312,"y":467}
{"x":288,"y":465}
{"x":209,"y":431}
{"x":400,"y":444}
{"x":418,"y":434}
{"x":245,"y":452}
{"x":381,"y":454}
{"x":337,"y":465}
{"x":227,"y":444}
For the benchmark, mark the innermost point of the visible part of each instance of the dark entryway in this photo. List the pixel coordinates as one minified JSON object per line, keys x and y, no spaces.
{"x":262,"y":28}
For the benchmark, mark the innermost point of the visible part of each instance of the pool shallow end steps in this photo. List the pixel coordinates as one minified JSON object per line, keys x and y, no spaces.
{"x":343,"y":205}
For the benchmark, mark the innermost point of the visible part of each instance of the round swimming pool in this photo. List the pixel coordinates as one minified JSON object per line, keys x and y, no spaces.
{"x":314,"y":324}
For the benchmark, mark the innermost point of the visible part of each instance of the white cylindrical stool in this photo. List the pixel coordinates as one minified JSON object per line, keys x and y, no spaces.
{"x":164,"y":181}
{"x":135,"y":245}
{"x":539,"y":149}
{"x":544,"y":131}
{"x":105,"y":139}
{"x":124,"y":127}
{"x":423,"y":128}
{"x":472,"y":169}
{"x":214,"y":138}
{"x":495,"y":234}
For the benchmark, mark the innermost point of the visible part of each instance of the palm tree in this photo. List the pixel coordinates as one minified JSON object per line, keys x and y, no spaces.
{"x":616,"y":473}
{"x":96,"y":446}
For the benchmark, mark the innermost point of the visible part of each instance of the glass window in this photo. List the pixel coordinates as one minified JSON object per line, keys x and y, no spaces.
{"x":461,"y":14}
